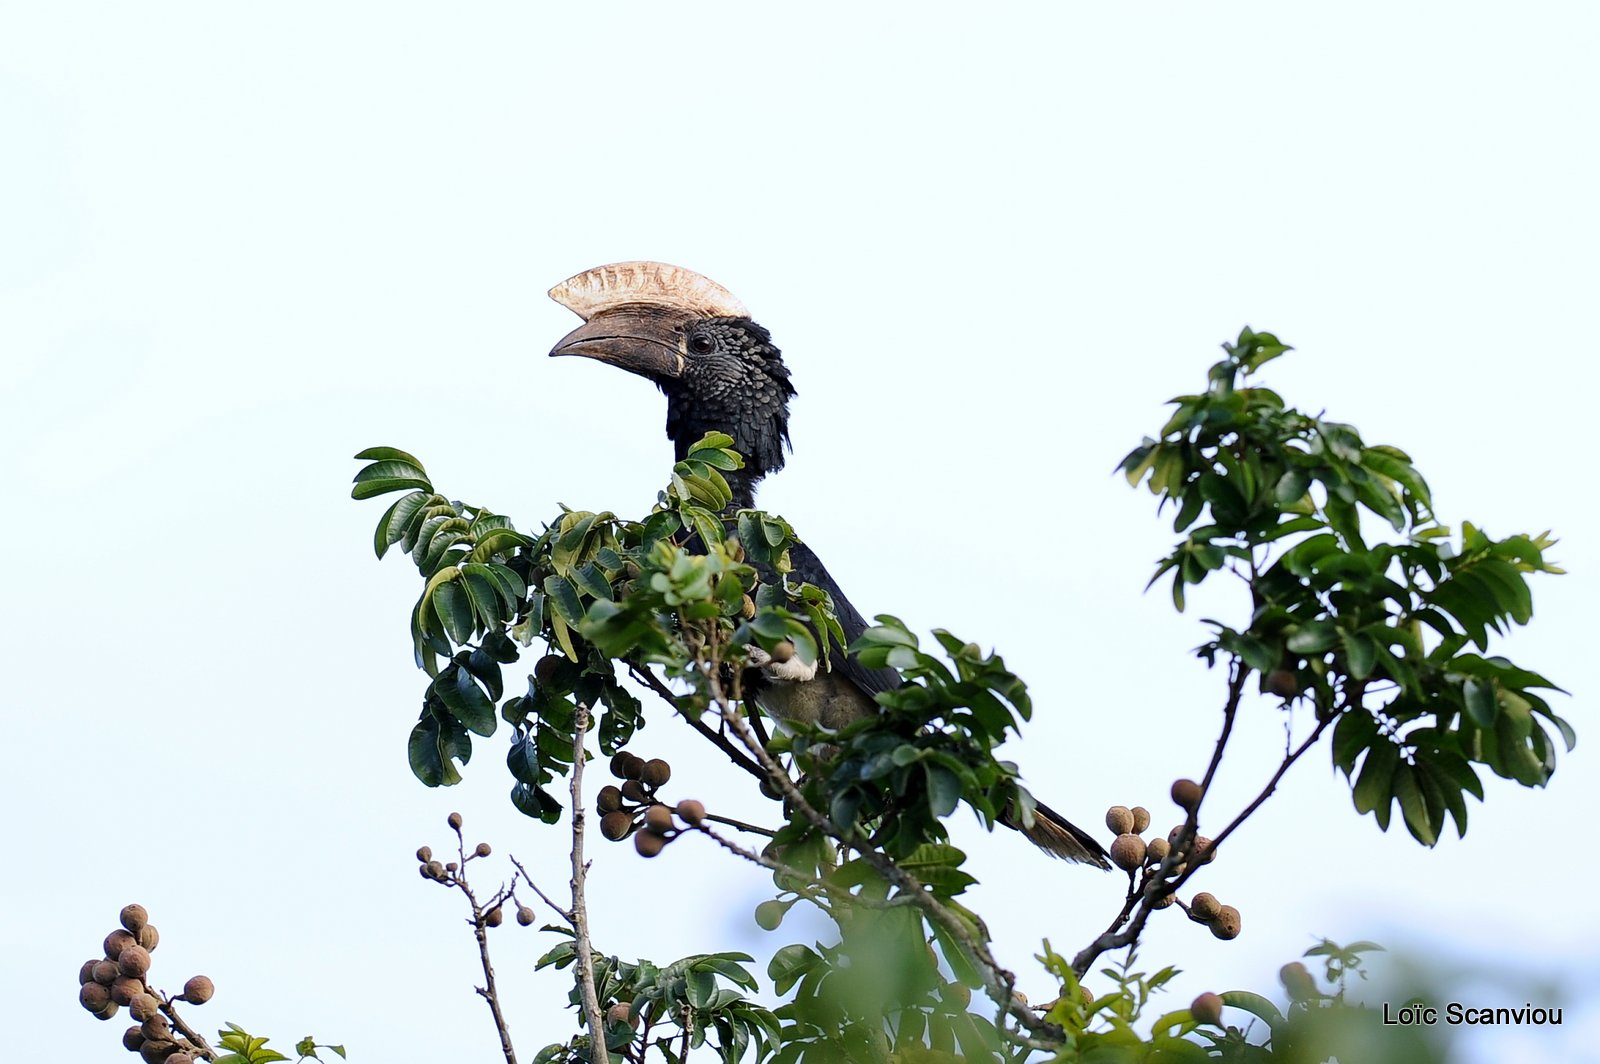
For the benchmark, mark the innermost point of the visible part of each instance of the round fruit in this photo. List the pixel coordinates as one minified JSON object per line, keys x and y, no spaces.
{"x":125,"y":989}
{"x":1297,"y":981}
{"x":691,"y":811}
{"x":525,"y":916}
{"x":144,"y":1006}
{"x":118,"y":941}
{"x":1202,"y":850}
{"x":1127,"y":853}
{"x":134,"y":961}
{"x":1119,"y":819}
{"x":545,"y":670}
{"x":632,"y":767}
{"x":157,"y":1052}
{"x":134,"y":917}
{"x":433,"y":870}
{"x":1205,"y":907}
{"x":86,"y":970}
{"x":1156,"y":850}
{"x":454,"y":820}
{"x":198,"y":990}
{"x":1164,"y":900}
{"x":648,"y":843}
{"x":1207,"y":1008}
{"x":424,"y":854}
{"x":769,"y":914}
{"x":658,"y":818}
{"x":958,"y":994}
{"x":1283,"y":683}
{"x":615,"y":826}
{"x":108,"y":1012}
{"x":622,"y":1012}
{"x":1141,"y":819}
{"x":656,"y":773}
{"x":149,"y":937}
{"x":634,"y":791}
{"x":1186,"y":795}
{"x":619,"y":764}
{"x":132,"y":1039}
{"x":493,"y":917}
{"x":93,"y":996}
{"x":1227,"y":923}
{"x":608,"y":800}
{"x":105,"y":972}
{"x":451,"y":867}
{"x":157,"y":1029}
{"x":481,"y":850}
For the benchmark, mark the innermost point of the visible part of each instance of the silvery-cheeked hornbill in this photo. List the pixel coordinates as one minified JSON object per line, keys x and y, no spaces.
{"x":721,"y":373}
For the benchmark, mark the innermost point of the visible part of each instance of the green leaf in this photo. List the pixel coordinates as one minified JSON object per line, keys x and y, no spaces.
{"x":380,"y":478}
{"x":392,"y":526}
{"x":466,"y":700}
{"x":1412,"y":806}
{"x":455,"y":610}
{"x":1481,"y":703}
{"x":1317,"y":637}
{"x":1374,"y":788}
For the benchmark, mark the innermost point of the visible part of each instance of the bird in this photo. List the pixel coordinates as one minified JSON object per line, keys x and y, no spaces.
{"x":721,"y":372}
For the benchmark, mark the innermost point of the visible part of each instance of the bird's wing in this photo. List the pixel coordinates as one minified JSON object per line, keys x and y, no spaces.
{"x":809,"y":569}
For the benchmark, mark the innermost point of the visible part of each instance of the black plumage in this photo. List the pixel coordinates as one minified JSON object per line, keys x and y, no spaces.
{"x":722,"y":373}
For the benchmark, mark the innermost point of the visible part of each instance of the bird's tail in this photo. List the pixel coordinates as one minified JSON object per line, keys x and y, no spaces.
{"x":1058,"y":836}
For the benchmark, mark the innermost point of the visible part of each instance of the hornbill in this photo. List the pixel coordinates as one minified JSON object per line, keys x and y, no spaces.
{"x":720,"y":372}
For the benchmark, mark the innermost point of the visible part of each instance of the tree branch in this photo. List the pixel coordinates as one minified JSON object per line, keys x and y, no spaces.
{"x":580,"y":911}
{"x":720,"y":741}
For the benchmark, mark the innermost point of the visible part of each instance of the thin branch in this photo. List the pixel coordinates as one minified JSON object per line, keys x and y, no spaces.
{"x":580,"y":912}
{"x":717,"y":739}
{"x":201,"y":1046}
{"x":754,"y":829}
{"x":488,"y":991}
{"x":563,"y":913}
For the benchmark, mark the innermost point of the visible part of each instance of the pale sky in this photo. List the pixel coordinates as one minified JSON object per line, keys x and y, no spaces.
{"x":240,"y":243}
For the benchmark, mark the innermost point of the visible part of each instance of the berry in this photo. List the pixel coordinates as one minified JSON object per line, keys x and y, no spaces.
{"x":615,"y":826}
{"x":1119,"y":819}
{"x":198,"y":990}
{"x":105,"y":972}
{"x":454,"y":820}
{"x":1205,"y":907}
{"x":149,"y":937}
{"x":769,"y":914}
{"x":1141,"y":819}
{"x":546,"y":669}
{"x":658,"y":818}
{"x":691,"y":811}
{"x":157,"y":1029}
{"x":433,"y":870}
{"x":157,"y":1052}
{"x":1297,"y":981}
{"x":525,"y":916}
{"x":1207,"y":1008}
{"x":1186,"y":794}
{"x":622,"y":1012}
{"x":134,"y":917}
{"x":493,"y":917}
{"x":481,"y":850}
{"x":1203,"y":851}
{"x":958,"y":994}
{"x":1227,"y":923}
{"x":648,"y":843}
{"x":1164,"y":900}
{"x":451,"y":867}
{"x":93,"y":996}
{"x":86,"y":970}
{"x":1283,"y":683}
{"x":118,"y":941}
{"x":424,"y":854}
{"x":634,"y":791}
{"x":609,"y":800}
{"x":132,"y":1039}
{"x":125,"y":989}
{"x":1156,"y":850}
{"x":134,"y":961}
{"x":656,"y":773}
{"x":144,"y":1006}
{"x":1127,"y":853}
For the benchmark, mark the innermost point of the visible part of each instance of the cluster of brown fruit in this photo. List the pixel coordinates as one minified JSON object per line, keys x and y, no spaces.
{"x":121,"y":978}
{"x":1131,"y":852}
{"x":449,"y":873}
{"x":633,"y":808}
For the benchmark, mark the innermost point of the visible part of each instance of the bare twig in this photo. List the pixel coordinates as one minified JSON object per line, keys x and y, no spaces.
{"x":480,"y":930}
{"x":563,"y":913}
{"x":580,"y":912}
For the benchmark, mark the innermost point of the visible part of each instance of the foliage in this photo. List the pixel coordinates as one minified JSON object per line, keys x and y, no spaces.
{"x":1372,"y":633}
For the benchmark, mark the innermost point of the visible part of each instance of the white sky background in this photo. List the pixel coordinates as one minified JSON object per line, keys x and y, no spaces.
{"x":239,"y":243}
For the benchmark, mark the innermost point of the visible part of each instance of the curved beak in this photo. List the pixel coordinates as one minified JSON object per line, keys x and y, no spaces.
{"x":640,"y":339}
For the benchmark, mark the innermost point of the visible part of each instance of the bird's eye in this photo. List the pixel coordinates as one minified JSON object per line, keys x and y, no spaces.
{"x":700,"y":344}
